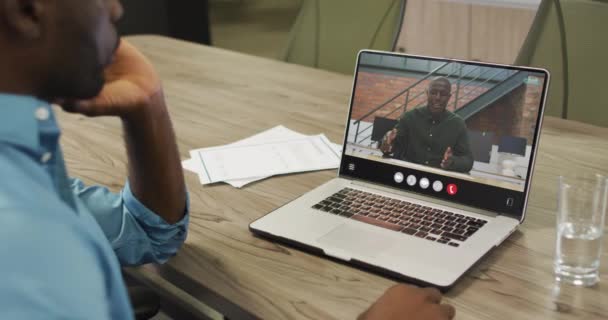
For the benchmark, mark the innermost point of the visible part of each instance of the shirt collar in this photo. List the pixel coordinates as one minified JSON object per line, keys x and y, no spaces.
{"x":427,"y":114}
{"x":24,"y":119}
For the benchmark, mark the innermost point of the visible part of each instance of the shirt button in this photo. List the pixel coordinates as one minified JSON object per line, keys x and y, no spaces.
{"x":428,"y":149}
{"x":42,"y":114}
{"x":426,"y":162}
{"x":46,"y":157}
{"x":430,"y":134}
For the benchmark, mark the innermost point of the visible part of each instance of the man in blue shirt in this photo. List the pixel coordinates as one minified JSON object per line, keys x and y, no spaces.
{"x":63,"y":242}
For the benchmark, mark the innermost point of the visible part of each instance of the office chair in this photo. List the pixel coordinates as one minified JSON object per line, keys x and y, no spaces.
{"x":481,"y":145}
{"x":329,"y":34}
{"x":511,"y":148}
{"x":381,"y":127}
{"x":566,"y":39}
{"x":145,"y":302}
{"x":513,"y":145}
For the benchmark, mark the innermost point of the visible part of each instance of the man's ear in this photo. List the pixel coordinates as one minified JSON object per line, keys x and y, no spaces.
{"x":22,"y":17}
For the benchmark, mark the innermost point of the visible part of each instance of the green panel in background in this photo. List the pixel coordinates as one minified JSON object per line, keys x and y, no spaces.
{"x":329,"y":34}
{"x":585,"y":22}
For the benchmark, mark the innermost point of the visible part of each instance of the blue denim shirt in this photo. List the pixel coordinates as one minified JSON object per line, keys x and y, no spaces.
{"x":62,"y":243}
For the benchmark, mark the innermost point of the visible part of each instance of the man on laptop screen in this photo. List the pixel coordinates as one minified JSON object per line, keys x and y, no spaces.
{"x":431,"y":135}
{"x":475,"y":123}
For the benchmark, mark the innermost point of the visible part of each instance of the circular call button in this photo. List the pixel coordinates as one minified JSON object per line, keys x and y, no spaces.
{"x":437,"y":186}
{"x":398,"y":177}
{"x":411,"y":180}
{"x":424,"y":183}
{"x":452,"y":189}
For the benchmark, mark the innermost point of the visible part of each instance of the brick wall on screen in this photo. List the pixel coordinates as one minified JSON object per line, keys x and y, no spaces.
{"x":374,"y":89}
{"x":512,"y":115}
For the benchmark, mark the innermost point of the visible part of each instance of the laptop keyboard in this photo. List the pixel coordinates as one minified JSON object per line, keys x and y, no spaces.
{"x":401,"y":216}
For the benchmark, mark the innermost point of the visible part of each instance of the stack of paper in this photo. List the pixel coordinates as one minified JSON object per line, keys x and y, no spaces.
{"x":272,"y":152}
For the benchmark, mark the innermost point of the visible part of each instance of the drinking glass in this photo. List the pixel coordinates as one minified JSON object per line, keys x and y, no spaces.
{"x":582,"y":202}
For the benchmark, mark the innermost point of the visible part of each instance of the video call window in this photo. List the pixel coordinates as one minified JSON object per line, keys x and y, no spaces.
{"x":461,"y":120}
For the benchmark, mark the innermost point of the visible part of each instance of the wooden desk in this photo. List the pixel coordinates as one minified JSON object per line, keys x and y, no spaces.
{"x":217,"y":97}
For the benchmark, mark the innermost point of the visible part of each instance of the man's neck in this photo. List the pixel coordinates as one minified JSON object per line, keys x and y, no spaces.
{"x":15,"y":78}
{"x":436,"y":116}
{"x":16,"y":90}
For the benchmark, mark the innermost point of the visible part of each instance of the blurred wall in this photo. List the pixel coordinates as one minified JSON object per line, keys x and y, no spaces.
{"x":181,"y":19}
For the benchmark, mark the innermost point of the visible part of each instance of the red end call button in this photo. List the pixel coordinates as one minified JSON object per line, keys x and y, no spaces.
{"x":452,"y":189}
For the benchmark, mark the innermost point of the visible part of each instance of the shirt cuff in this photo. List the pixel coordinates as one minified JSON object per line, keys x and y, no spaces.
{"x":147,"y":216}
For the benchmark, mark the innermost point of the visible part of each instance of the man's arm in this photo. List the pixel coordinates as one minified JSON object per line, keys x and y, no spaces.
{"x":395,"y":141}
{"x":133,"y":92}
{"x":408,"y":302}
{"x":401,"y":141}
{"x":147,"y":221}
{"x":386,"y":145}
{"x":461,"y":157}
{"x":137,"y":234}
{"x":155,"y":172}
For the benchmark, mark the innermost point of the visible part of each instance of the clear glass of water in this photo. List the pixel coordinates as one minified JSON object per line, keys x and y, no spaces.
{"x":581,"y":212}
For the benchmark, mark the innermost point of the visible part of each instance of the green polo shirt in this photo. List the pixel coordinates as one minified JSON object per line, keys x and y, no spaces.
{"x":423,"y":140}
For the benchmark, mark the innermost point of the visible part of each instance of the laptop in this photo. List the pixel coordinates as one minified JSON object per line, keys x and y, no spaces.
{"x":423,"y":201}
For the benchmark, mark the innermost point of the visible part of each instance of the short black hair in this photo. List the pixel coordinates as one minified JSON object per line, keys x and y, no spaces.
{"x":442,"y":79}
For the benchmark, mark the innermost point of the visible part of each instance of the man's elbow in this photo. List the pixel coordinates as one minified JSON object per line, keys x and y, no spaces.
{"x":468,"y":166}
{"x":162,"y":255}
{"x":157,"y":245}
{"x":164,"y":250}
{"x":464,"y":165}
{"x":152,"y":252}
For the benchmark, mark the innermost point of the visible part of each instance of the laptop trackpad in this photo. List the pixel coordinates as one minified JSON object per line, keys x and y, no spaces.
{"x":362,"y":240}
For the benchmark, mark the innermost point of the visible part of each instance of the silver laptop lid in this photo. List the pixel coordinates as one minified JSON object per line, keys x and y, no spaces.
{"x":460,"y":131}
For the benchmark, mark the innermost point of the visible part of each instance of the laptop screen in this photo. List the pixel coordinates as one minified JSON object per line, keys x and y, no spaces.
{"x":461,"y":131}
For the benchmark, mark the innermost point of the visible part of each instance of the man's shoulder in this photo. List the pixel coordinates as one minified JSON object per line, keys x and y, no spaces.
{"x":454,"y":117}
{"x":38,"y":223}
{"x":27,"y":194}
{"x":17,"y":160}
{"x":39,"y":217}
{"x":21,"y":175}
{"x":414,"y":113}
{"x":417,"y":111}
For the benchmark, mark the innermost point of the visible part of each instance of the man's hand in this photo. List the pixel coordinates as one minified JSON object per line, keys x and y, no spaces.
{"x":408,"y":302}
{"x":387,"y":141}
{"x":132,"y":85}
{"x":447,"y":158}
